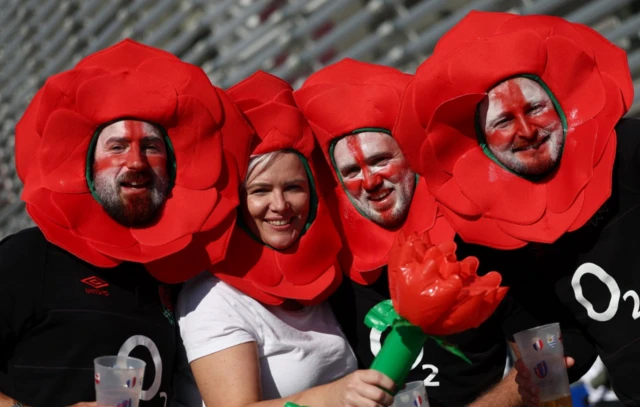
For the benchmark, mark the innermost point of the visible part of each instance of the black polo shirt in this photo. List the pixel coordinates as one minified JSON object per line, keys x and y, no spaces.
{"x":58,"y":313}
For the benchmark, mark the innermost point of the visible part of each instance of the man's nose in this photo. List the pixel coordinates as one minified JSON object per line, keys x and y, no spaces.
{"x":371,"y":180}
{"x":525,"y":129}
{"x":135,"y":158}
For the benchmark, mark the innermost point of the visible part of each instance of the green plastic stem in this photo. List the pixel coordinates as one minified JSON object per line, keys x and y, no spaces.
{"x":399,"y":351}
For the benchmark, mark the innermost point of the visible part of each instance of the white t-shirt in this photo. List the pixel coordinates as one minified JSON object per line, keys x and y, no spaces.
{"x":297,"y":349}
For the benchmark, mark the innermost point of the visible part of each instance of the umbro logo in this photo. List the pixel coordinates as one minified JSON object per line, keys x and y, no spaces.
{"x":97,"y":286}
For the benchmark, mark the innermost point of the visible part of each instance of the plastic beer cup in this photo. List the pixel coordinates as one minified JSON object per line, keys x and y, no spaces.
{"x":118,"y":380}
{"x":543,"y":353}
{"x":414,"y":394}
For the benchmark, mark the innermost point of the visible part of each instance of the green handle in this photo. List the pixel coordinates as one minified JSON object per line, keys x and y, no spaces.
{"x":399,"y":351}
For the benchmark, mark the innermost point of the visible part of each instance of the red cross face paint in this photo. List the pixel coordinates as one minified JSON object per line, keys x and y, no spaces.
{"x":276,"y":199}
{"x":130,"y":171}
{"x":376,"y":175}
{"x":521,"y":126}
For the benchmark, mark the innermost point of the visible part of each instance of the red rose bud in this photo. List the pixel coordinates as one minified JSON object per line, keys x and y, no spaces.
{"x":433,"y":290}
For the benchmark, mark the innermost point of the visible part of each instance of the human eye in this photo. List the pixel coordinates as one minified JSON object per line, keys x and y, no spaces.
{"x":536,"y":108}
{"x":380,"y":160}
{"x":350,"y":172}
{"x":296,"y":188}
{"x":501,"y":123}
{"x":116,"y":147}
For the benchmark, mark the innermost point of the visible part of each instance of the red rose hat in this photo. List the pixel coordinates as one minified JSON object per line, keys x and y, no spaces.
{"x":345,"y":98}
{"x":586,"y":77}
{"x":307,"y":271}
{"x":206,"y":136}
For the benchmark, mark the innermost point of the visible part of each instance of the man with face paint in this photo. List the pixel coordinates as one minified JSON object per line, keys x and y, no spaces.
{"x":130,"y":171}
{"x":521,"y":126}
{"x":351,"y":107}
{"x":376,"y":176}
{"x":108,"y":160}
{"x":531,"y":154}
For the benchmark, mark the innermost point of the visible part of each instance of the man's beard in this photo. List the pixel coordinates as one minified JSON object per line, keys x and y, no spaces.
{"x":394,"y":217}
{"x":135,"y":211}
{"x":539,"y":167}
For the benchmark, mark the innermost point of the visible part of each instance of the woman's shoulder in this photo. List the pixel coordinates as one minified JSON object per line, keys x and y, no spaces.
{"x":208,"y":291}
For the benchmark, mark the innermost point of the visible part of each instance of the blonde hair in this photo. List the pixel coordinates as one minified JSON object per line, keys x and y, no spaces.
{"x":265,"y":160}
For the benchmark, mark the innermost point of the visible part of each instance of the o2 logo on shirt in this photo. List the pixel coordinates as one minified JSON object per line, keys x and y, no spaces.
{"x":374,"y":341}
{"x":146,"y":342}
{"x":611,"y":285}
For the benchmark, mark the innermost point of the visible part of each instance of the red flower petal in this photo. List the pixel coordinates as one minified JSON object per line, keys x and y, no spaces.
{"x":515,"y":53}
{"x":474,"y":25}
{"x":491,"y":302}
{"x":612,"y":62}
{"x":481,"y":180}
{"x":441,"y":231}
{"x":422,"y":211}
{"x":575,"y":169}
{"x":464,"y":315}
{"x":63,"y":170}
{"x":86,"y":217}
{"x":432,"y":172}
{"x":61,"y":237}
{"x":141,"y":253}
{"x":188,"y":80}
{"x":598,"y":190}
{"x":125,"y":54}
{"x":197,"y":144}
{"x":434,"y":300}
{"x":127,"y":94}
{"x":452,"y":134}
{"x":573,"y":79}
{"x":482,"y":231}
{"x":60,"y":91}
{"x":319,"y":247}
{"x":199,"y":203}
{"x":451,"y":196}
{"x":41,"y":198}
{"x":206,"y":248}
{"x":307,"y":292}
{"x":549,"y":228}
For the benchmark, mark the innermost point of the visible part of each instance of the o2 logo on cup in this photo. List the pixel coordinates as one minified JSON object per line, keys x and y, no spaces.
{"x":541,"y":370}
{"x":613,"y":288}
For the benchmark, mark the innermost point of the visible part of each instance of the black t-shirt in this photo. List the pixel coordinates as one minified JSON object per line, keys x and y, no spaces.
{"x":449,"y":380}
{"x":58,"y":313}
{"x":590,"y":278}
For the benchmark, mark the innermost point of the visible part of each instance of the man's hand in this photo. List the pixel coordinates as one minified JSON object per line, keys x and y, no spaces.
{"x":528,"y":391}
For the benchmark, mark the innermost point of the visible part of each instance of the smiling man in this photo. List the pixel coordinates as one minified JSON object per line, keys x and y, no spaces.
{"x":376,"y":176}
{"x":130,"y":171}
{"x":521,"y":126}
{"x":352,"y":107}
{"x":119,"y":191}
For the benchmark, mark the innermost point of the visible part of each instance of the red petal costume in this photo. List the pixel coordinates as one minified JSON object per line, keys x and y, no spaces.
{"x":337,"y":101}
{"x":486,"y":203}
{"x":307,"y":271}
{"x":206,"y":134}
